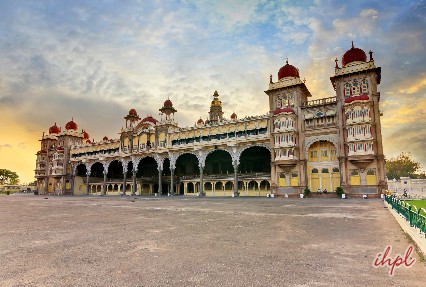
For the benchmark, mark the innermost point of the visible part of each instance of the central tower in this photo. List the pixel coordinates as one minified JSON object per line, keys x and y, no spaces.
{"x":215,"y":113}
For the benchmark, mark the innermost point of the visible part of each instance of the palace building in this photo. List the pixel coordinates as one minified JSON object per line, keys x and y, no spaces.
{"x":298,"y":143}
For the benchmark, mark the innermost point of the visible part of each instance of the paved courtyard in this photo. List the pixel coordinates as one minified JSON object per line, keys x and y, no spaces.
{"x":148,"y":241}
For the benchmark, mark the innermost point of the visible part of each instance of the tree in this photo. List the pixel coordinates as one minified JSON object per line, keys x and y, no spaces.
{"x":8,"y":177}
{"x":402,"y":166}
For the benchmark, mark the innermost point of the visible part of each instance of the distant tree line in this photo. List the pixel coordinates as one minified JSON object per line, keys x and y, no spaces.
{"x":8,"y":177}
{"x":403,"y":166}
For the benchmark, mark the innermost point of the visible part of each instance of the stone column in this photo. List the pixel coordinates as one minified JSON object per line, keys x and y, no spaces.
{"x":123,"y":191}
{"x":201,"y":192}
{"x":160,"y":187}
{"x":87,"y":183}
{"x":172,"y":182}
{"x":72,"y":184}
{"x":104,"y":188}
{"x":134,"y":182}
{"x":236,"y":193}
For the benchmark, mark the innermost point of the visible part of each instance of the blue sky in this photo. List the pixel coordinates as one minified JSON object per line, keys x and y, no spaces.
{"x":95,"y":60}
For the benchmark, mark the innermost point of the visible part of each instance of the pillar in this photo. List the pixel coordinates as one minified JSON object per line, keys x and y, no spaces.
{"x":104,"y":188}
{"x":160,"y":185}
{"x":124,"y":184}
{"x":172,"y":182}
{"x":72,"y":184}
{"x":236,"y":193}
{"x":87,"y":183}
{"x":201,"y":192}
{"x":134,"y":182}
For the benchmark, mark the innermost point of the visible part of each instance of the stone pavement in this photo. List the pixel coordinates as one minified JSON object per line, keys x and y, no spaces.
{"x":147,"y":241}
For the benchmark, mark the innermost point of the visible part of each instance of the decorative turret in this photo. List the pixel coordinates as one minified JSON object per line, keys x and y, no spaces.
{"x":168,"y":109}
{"x":215,"y":113}
{"x":132,"y":117}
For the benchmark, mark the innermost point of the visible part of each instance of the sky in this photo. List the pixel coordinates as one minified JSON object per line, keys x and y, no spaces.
{"x":95,"y":60}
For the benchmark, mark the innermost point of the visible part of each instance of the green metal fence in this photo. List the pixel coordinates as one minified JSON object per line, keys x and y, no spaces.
{"x":410,"y":212}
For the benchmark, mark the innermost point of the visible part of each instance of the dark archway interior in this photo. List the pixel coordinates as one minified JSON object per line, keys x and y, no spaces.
{"x":219,"y":162}
{"x":115,"y":170}
{"x":81,"y":170}
{"x":187,"y":165}
{"x":147,"y":168}
{"x":97,"y":170}
{"x":255,"y":159}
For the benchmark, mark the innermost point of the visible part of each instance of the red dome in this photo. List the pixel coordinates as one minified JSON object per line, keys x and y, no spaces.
{"x":357,"y":98}
{"x":71,"y":125}
{"x":233,"y":116}
{"x":88,"y":141}
{"x":105,"y":138}
{"x":200,"y":121}
{"x":288,"y":71}
{"x":85,"y":135}
{"x":168,"y":104}
{"x":133,"y":112}
{"x":285,"y":110}
{"x":54,"y":129}
{"x":353,"y":55}
{"x":150,"y":119}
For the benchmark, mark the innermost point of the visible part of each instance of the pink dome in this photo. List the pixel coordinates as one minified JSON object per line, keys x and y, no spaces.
{"x":71,"y":125}
{"x":54,"y":129}
{"x":288,"y":71}
{"x":353,"y":55}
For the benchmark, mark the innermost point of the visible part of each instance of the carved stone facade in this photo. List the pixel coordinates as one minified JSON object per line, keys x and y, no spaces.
{"x":299,"y":143}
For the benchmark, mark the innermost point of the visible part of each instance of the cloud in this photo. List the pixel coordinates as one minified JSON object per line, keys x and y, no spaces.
{"x":2,"y":146}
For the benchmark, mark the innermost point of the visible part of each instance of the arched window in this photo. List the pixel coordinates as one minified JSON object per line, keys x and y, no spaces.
{"x":314,"y":170}
{"x":324,"y":170}
{"x":335,"y":169}
{"x":364,"y":86}
{"x":347,"y":90}
{"x":355,"y":88}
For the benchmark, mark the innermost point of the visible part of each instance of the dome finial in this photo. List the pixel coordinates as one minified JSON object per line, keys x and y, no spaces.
{"x":270,"y":78}
{"x":335,"y":60}
{"x":286,"y":61}
{"x":353,"y":44}
{"x":371,"y":55}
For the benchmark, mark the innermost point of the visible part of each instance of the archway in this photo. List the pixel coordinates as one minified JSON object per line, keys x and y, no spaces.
{"x":218,"y":162}
{"x":186,"y":170}
{"x":255,"y":159}
{"x":147,"y":175}
{"x":96,"y":176}
{"x":322,"y":166}
{"x":81,"y":170}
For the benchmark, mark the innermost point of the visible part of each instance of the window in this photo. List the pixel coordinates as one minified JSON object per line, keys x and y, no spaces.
{"x":324,"y":170}
{"x":371,"y":172}
{"x":335,"y":169}
{"x":324,"y":153}
{"x":347,"y":90}
{"x":355,"y":88}
{"x":364,"y":86}
{"x":314,"y":154}
{"x":314,"y":170}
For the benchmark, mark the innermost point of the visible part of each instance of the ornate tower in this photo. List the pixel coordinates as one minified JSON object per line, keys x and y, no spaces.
{"x":360,"y":139}
{"x":216,"y":113}
{"x":286,"y":96}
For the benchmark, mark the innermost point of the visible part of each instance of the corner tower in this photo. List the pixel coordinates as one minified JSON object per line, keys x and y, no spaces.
{"x":286,"y":96}
{"x":360,"y":136}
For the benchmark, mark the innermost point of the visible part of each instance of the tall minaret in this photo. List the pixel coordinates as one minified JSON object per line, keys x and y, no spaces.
{"x":216,"y":113}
